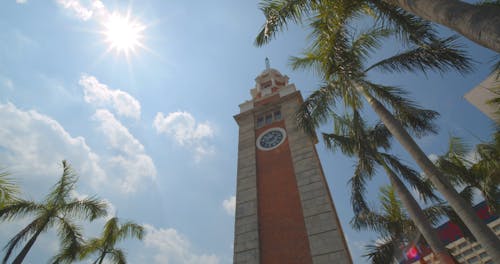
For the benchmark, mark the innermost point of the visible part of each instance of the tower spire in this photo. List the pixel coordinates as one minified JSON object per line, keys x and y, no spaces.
{"x":268,"y":65}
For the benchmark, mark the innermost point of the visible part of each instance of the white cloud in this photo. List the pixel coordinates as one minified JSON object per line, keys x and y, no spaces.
{"x":95,"y":9}
{"x":6,"y":82}
{"x":101,"y":95}
{"x":433,"y":157}
{"x":34,"y":144}
{"x":172,"y":247}
{"x":21,"y":1}
{"x":229,"y":205}
{"x":186,"y":131}
{"x":77,"y":8}
{"x":132,"y":163}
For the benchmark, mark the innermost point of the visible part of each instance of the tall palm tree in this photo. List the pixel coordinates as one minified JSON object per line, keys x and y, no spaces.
{"x":105,"y":246}
{"x":477,"y":22}
{"x":8,"y":189}
{"x":397,"y":231}
{"x":58,"y":209}
{"x":339,"y":58}
{"x":482,"y":174}
{"x":354,"y":138}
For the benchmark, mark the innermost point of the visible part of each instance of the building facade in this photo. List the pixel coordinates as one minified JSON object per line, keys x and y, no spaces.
{"x":484,"y":92}
{"x":284,"y":209}
{"x":465,"y":251}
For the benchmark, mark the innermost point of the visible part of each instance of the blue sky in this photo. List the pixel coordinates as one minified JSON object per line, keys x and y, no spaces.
{"x":153,"y":132}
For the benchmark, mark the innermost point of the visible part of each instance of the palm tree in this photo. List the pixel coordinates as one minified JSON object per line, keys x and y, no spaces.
{"x":340,"y":59}
{"x":482,"y":174}
{"x":477,"y":22}
{"x":354,"y":138}
{"x":397,"y":231}
{"x":104,"y":246}
{"x":8,"y":189}
{"x":58,"y":209}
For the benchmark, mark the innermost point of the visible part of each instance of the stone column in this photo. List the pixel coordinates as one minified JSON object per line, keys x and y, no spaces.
{"x":326,"y":239}
{"x":246,"y":233}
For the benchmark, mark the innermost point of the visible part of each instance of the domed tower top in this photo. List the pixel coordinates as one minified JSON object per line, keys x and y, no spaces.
{"x":269,"y":82}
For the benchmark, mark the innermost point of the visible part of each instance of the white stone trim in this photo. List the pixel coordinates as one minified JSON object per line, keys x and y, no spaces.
{"x":247,"y":105}
{"x":283,"y":131}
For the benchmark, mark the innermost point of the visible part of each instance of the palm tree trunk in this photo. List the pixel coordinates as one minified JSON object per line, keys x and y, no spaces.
{"x":464,"y":210}
{"x":19,"y":259}
{"x":480,"y":24}
{"x":418,"y":217}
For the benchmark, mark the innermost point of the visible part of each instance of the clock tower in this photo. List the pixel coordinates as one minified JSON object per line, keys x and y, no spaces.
{"x":284,"y":209}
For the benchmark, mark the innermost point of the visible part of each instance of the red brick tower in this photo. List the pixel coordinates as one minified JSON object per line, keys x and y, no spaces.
{"x":284,"y":210}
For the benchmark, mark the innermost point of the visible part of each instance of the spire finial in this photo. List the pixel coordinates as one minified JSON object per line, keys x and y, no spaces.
{"x":268,"y":66}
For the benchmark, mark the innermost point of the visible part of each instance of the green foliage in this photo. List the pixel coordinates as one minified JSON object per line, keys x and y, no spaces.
{"x":474,"y":170}
{"x":396,"y":230}
{"x":8,"y":189}
{"x":58,"y":209}
{"x":105,"y":245}
{"x":355,"y":139}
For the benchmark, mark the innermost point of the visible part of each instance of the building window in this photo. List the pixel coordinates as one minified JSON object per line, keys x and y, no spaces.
{"x":473,"y":260}
{"x":260,"y":121}
{"x":269,"y":119}
{"x":483,"y":255}
{"x":277,"y":115}
{"x":266,"y":84}
{"x":477,"y":247}
{"x":462,"y":245}
{"x":467,"y":252}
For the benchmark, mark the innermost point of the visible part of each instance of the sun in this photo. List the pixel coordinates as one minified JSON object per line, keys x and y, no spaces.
{"x":123,"y":34}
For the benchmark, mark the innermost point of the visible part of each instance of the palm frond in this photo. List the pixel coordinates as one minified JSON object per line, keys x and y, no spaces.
{"x":90,"y":247}
{"x":118,"y":257}
{"x":457,"y":147}
{"x":8,"y":188}
{"x":369,"y":220}
{"x":418,"y":121}
{"x":467,"y":194}
{"x":407,"y":26}
{"x":308,"y":60}
{"x":88,"y":208}
{"x":71,"y":238}
{"x":130,"y":229}
{"x":316,"y":109}
{"x":364,"y":44}
{"x":382,"y":252}
{"x":279,"y":13}
{"x":61,"y":190}
{"x":491,"y":194}
{"x":19,"y":208}
{"x":435,"y":213}
{"x":111,"y":228}
{"x":358,"y":190}
{"x":439,"y":55}
{"x":456,"y":171}
{"x":411,"y":176}
{"x":334,"y":141}
{"x":380,"y":136}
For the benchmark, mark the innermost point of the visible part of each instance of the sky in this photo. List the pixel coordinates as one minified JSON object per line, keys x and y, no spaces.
{"x":148,"y":126}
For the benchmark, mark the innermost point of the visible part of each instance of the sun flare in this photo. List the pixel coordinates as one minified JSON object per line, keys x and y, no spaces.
{"x":123,"y":34}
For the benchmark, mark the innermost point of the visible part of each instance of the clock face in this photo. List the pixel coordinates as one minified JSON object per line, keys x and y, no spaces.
{"x":271,"y":139}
